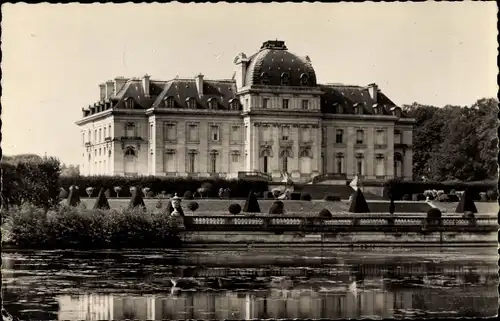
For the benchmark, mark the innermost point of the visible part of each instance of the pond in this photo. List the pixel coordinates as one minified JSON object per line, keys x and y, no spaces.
{"x":281,"y":283}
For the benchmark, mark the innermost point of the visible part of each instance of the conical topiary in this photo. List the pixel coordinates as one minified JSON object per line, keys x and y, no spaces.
{"x":358,"y":203}
{"x":73,"y":198}
{"x":466,"y":203}
{"x":137,"y":199}
{"x":325,"y":213}
{"x":101,"y":202}
{"x":251,"y":204}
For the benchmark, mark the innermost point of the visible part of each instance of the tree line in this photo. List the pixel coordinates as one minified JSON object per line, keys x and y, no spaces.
{"x":455,"y":143}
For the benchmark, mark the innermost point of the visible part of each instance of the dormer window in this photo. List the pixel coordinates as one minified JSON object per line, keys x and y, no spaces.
{"x":285,"y":78}
{"x":304,"y":79}
{"x":234,"y":104}
{"x":169,"y":102}
{"x":264,"y":78}
{"x":129,"y":103}
{"x":212,"y":103}
{"x":191,"y":103}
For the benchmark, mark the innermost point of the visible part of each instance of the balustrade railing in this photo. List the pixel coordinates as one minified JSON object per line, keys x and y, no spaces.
{"x":353,"y":222}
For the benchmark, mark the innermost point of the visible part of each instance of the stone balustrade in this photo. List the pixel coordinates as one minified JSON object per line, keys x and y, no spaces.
{"x":351,"y":222}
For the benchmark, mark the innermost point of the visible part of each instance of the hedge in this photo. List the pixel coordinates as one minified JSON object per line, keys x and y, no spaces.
{"x":399,"y":188}
{"x":157,"y":185}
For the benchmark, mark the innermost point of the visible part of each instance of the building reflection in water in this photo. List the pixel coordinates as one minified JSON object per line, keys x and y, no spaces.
{"x":275,"y":304}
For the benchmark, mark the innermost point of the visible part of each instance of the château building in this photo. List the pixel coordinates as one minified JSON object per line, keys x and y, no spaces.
{"x":271,"y":118}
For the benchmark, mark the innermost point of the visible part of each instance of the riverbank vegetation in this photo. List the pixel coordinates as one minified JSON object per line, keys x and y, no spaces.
{"x":28,"y":226}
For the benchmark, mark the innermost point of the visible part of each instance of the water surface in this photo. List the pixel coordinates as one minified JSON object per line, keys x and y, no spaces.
{"x":256,"y":283}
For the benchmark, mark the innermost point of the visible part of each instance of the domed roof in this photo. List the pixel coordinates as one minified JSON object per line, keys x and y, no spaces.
{"x":274,"y":65}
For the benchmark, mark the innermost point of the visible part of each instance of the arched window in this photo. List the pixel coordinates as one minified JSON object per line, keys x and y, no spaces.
{"x":130,"y":152}
{"x":191,"y":103}
{"x":234,"y":104}
{"x":129,"y":103}
{"x":169,"y":102}
{"x":284,"y":160}
{"x":212,"y":103}
{"x":265,"y":154}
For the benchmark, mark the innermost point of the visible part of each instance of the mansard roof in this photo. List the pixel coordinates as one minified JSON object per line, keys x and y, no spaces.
{"x":349,"y":96}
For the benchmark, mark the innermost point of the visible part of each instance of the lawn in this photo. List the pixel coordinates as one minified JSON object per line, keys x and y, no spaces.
{"x":220,"y":207}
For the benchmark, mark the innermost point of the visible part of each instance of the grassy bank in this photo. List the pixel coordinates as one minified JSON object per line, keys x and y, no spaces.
{"x":30,"y":227}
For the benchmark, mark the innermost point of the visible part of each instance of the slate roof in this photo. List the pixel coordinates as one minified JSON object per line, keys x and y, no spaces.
{"x":349,"y":96}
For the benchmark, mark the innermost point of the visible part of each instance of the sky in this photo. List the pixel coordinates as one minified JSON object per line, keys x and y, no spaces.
{"x":54,"y":56}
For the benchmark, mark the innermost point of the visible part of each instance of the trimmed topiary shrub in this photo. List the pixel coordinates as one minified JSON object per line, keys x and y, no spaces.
{"x":305,"y":197}
{"x":295,"y":196}
{"x":101,"y":202}
{"x":234,"y":208}
{"x":278,"y":207}
{"x":492,"y":194}
{"x":406,"y":197}
{"x":193,"y":206}
{"x":325,"y":213}
{"x":434,"y":216}
{"x":251,"y":204}
{"x":332,"y":198}
{"x":188,"y":195}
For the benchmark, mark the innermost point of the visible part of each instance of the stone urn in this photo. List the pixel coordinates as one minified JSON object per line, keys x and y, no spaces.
{"x":175,"y":216}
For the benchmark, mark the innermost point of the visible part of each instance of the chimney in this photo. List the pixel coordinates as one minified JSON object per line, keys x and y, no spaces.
{"x":110,"y":89}
{"x":146,"y":84}
{"x":199,"y":84}
{"x":241,"y":62}
{"x":373,"y":90}
{"x":102,"y":92}
{"x":119,"y":83}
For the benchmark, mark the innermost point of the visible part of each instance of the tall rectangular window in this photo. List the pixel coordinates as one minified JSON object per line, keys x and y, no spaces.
{"x":305,"y":134}
{"x":360,"y":135}
{"x":191,"y":162}
{"x":170,"y":132}
{"x":398,"y":137}
{"x":379,"y":165}
{"x":265,"y":102}
{"x":380,"y":137}
{"x":339,"y":136}
{"x":285,"y":103}
{"x":339,"y":163}
{"x":193,"y":132}
{"x":235,"y":133}
{"x":213,"y":162}
{"x":214,"y":133}
{"x":265,"y":132}
{"x":285,"y":133}
{"x":305,"y":104}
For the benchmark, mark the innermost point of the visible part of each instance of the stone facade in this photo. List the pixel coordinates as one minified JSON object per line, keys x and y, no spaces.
{"x":271,"y":118}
